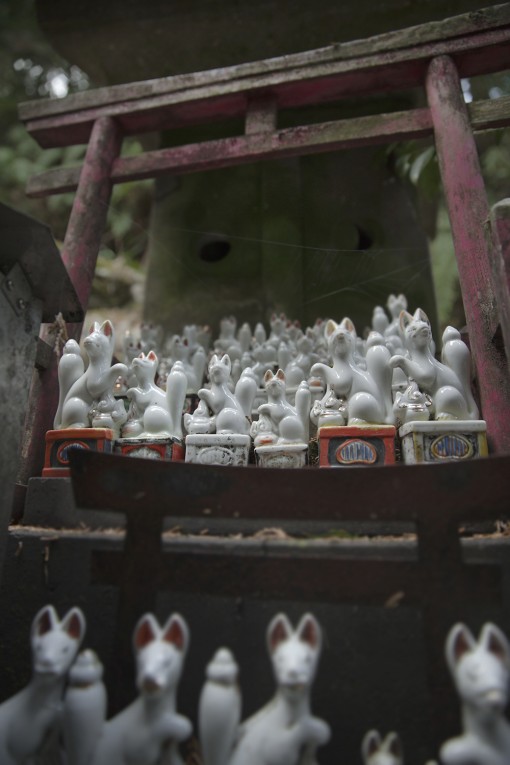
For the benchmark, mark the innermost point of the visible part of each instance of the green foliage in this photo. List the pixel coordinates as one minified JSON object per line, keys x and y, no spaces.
{"x":416,"y":162}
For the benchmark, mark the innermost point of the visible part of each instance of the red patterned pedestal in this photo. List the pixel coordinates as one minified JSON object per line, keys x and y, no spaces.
{"x":354,"y":445}
{"x":60,"y":442}
{"x":170,"y":449}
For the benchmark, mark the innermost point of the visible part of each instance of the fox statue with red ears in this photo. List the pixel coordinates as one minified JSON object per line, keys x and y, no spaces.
{"x":284,"y":731}
{"x":27,"y":718}
{"x":150,"y":729}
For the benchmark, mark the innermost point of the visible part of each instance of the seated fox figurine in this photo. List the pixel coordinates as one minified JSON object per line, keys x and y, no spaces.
{"x":284,"y":731}
{"x":354,"y":395}
{"x":230,"y":410}
{"x":152,"y":411}
{"x":86,"y":396}
{"x":447,"y":382}
{"x":481,"y":672}
{"x":280,"y":422}
{"x":149,"y":729}
{"x":27,"y":718}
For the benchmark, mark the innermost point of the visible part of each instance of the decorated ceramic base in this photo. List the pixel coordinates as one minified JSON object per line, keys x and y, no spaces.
{"x":218,"y":449}
{"x":282,"y":455}
{"x":355,"y":446}
{"x":441,"y":441}
{"x":170,"y":449}
{"x":60,"y":442}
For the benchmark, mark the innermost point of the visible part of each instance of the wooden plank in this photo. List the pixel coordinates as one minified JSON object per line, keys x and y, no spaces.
{"x":298,"y":86}
{"x":462,"y":25}
{"x":307,"y":139}
{"x":451,"y":493}
{"x":468,"y":211}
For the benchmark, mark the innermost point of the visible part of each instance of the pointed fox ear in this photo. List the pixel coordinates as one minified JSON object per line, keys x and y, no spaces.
{"x":370,"y":744}
{"x":421,"y":315}
{"x":214,"y":360}
{"x":152,"y":356}
{"x":402,"y":299}
{"x":495,"y":641}
{"x":331,"y":326}
{"x":393,"y":745}
{"x":459,"y":641}
{"x":347,"y":324}
{"x":107,"y":328}
{"x":94,"y":327}
{"x":176,"y":632}
{"x":268,"y":376}
{"x":280,"y":374}
{"x":279,"y":630}
{"x":146,"y":630}
{"x":225,"y":360}
{"x":44,"y":621}
{"x":74,"y":624}
{"x":405,"y":318}
{"x":309,"y":631}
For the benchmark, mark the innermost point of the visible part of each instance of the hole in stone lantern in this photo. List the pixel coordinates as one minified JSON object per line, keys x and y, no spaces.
{"x":213,"y":250}
{"x":365,"y":240}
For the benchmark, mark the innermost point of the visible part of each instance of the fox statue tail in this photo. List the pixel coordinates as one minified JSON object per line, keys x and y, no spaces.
{"x":303,"y":404}
{"x":219,"y":710}
{"x":456,"y":355}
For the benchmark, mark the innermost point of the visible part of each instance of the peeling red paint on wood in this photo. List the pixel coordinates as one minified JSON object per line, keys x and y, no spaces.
{"x":500,"y":220}
{"x":308,"y":139}
{"x":90,"y":207}
{"x":468,"y":210}
{"x":485,"y":19}
{"x":301,"y":85}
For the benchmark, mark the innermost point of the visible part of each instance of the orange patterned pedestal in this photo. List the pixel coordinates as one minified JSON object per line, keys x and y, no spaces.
{"x":353,"y":445}
{"x":60,"y":442}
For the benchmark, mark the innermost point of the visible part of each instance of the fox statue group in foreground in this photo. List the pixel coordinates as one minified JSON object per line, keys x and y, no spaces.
{"x":66,"y":700}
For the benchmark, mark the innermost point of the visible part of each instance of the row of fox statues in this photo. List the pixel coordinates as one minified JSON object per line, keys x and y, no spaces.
{"x":66,"y":694}
{"x":270,"y":390}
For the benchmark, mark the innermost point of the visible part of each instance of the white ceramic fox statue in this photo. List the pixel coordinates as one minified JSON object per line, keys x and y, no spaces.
{"x":27,"y":718}
{"x":86,"y":397}
{"x":152,"y":411}
{"x":481,"y":672}
{"x":149,"y":730}
{"x":284,"y":731}
{"x":447,"y":382}
{"x":359,"y":396}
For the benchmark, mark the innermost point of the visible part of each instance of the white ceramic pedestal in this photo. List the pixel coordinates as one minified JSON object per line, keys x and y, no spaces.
{"x":282,"y":455}
{"x":443,"y":440}
{"x":218,"y":449}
